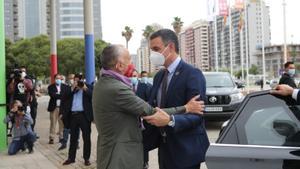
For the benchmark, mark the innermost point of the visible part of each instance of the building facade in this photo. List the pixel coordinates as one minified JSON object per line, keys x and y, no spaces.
{"x":25,"y":18}
{"x":70,"y":19}
{"x":194,"y":45}
{"x":239,"y":36}
{"x":274,"y":58}
{"x":29,"y":18}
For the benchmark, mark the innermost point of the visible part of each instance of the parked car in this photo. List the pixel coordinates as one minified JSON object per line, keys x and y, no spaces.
{"x":274,"y":82}
{"x":223,"y":96}
{"x":264,"y":133}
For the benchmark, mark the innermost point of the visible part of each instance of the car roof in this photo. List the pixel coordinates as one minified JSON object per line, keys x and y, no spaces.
{"x":215,"y":73}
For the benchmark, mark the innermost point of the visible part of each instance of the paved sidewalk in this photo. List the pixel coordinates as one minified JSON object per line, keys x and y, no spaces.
{"x":47,"y":156}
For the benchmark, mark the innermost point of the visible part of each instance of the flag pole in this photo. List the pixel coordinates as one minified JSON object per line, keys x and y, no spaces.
{"x":216,"y":43}
{"x":263,"y":42}
{"x":230,"y":40}
{"x":246,"y":39}
{"x":284,"y":31}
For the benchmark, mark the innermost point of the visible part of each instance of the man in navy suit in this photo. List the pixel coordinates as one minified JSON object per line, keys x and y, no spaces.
{"x":182,"y":140}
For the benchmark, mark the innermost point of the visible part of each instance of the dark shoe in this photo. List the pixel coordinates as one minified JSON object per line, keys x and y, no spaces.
{"x":37,"y":137}
{"x":87,"y":163}
{"x":61,"y":140}
{"x":63,"y":146}
{"x":67,"y":162}
{"x":30,"y":150}
{"x":51,"y":141}
{"x":146,"y":166}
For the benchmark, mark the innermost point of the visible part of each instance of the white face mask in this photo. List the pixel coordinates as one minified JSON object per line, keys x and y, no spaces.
{"x":23,"y":75}
{"x":156,"y":58}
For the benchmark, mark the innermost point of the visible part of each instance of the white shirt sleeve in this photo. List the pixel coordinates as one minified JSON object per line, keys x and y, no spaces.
{"x":295,"y":94}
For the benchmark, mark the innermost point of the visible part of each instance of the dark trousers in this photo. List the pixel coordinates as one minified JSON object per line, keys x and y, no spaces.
{"x":33,"y":113}
{"x":18,"y":144}
{"x":66,"y":133}
{"x":79,"y":121}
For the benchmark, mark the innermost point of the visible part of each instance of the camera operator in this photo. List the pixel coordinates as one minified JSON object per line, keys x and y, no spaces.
{"x":79,"y":114}
{"x":22,"y":132}
{"x":19,"y":88}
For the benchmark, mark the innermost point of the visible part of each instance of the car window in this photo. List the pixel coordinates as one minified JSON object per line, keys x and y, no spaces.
{"x":218,"y":80}
{"x":271,"y":123}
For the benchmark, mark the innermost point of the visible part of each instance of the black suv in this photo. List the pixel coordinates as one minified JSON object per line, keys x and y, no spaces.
{"x":223,"y":96}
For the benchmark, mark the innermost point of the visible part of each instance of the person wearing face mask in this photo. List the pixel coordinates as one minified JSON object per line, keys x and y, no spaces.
{"x":142,"y":89}
{"x":56,"y":91}
{"x":20,"y":88}
{"x":117,"y":112}
{"x":288,"y":77}
{"x":183,"y":142}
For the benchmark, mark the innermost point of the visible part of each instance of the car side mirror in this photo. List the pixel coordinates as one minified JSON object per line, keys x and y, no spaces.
{"x":285,"y":127}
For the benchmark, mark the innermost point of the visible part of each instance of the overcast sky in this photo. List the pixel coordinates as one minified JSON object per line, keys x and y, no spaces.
{"x":116,"y":14}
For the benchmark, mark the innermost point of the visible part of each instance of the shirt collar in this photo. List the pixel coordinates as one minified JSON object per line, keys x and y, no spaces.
{"x":174,"y":65}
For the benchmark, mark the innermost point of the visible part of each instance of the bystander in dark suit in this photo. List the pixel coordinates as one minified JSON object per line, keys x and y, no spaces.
{"x":79,"y":114}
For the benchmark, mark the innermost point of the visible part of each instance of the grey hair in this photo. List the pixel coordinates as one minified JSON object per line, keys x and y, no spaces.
{"x":111,"y":55}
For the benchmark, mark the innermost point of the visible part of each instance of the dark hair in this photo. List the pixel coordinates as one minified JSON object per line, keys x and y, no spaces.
{"x":79,"y":76}
{"x":110,"y":55}
{"x":56,"y":75}
{"x":287,"y":64}
{"x":167,"y":36}
{"x":144,"y":72}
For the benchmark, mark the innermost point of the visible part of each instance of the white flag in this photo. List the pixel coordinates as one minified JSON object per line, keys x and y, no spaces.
{"x":211,"y":9}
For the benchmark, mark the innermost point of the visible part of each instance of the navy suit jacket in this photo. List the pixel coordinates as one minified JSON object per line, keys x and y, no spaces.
{"x":143,"y":91}
{"x":186,"y":142}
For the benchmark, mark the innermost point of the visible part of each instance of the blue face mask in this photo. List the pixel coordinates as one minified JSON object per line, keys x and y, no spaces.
{"x":144,"y":80}
{"x":58,"y":81}
{"x":292,"y":72}
{"x":134,"y":81}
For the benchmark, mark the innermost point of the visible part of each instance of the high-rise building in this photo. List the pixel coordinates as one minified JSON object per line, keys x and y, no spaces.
{"x":25,"y":18}
{"x":143,"y":54}
{"x":29,"y":18}
{"x":194,"y":45}
{"x":70,"y":19}
{"x":254,"y":35}
{"x":10,"y":19}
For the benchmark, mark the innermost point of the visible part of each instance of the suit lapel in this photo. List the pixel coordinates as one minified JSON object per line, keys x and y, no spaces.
{"x":175,"y":76}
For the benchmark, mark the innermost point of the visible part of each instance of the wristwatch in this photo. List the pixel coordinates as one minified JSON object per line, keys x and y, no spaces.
{"x":172,"y":121}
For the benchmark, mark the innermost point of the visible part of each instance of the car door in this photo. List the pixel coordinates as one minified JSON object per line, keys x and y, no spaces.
{"x":263,"y":134}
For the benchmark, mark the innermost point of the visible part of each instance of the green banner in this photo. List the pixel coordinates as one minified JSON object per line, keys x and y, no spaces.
{"x":3,"y":139}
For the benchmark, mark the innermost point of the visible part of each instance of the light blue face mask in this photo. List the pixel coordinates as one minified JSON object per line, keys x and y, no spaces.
{"x":144,"y":80}
{"x":58,"y":81}
{"x":134,"y":81}
{"x":292,"y":72}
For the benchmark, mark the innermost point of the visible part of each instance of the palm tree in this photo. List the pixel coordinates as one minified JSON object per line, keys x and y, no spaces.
{"x":177,"y":25}
{"x":148,"y":31}
{"x":127,"y":34}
